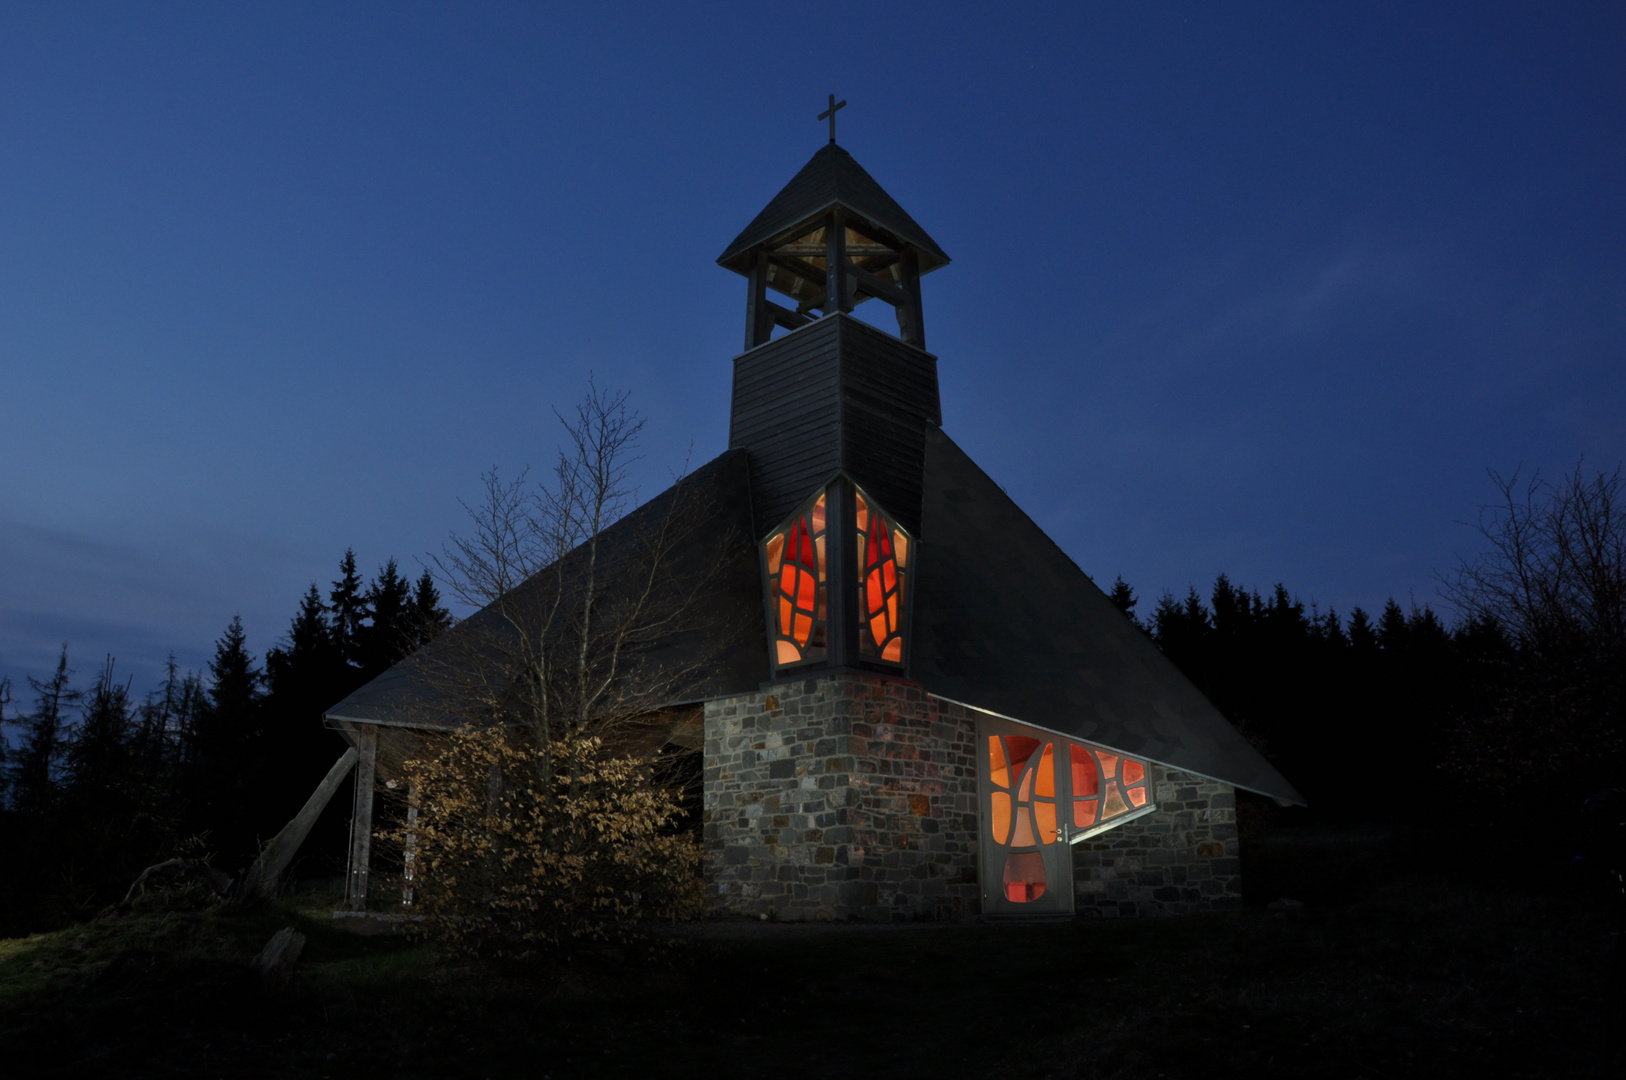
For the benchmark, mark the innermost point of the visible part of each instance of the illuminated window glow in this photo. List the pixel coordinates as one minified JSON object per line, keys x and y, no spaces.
{"x":795,"y":561}
{"x":883,"y":567}
{"x":1029,"y":766}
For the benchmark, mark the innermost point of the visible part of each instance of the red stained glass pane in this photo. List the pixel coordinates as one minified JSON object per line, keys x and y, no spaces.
{"x":996,"y":763}
{"x":886,"y":541}
{"x":1086,"y":778}
{"x":806,"y":543}
{"x":1021,"y":748}
{"x":1024,"y":877}
{"x":999,"y":816}
{"x":1046,"y":813}
{"x":1137,"y":796}
{"x":872,"y":554}
{"x":1046,"y":787}
{"x":873,"y":593}
{"x":893,"y":651}
{"x":1083,"y":813}
{"x":1109,"y":763}
{"x":1134,"y":772}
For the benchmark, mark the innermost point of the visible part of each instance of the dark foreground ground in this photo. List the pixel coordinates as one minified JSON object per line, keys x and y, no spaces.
{"x":1425,"y":974}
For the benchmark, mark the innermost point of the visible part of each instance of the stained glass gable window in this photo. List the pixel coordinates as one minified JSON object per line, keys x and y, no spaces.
{"x":794,"y":557}
{"x":883,"y":570}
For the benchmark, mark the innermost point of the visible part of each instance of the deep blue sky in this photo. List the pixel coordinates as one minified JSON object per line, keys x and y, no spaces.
{"x":1254,"y":288}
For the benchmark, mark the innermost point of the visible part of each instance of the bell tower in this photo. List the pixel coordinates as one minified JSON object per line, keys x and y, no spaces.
{"x":834,"y":412}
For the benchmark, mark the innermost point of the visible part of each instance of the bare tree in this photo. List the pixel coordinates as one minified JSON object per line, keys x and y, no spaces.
{"x":579,"y":602}
{"x":1552,"y":580}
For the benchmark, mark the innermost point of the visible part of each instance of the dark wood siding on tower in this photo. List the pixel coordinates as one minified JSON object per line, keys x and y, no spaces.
{"x":836,"y":395}
{"x":787,"y":413}
{"x":888,"y":399}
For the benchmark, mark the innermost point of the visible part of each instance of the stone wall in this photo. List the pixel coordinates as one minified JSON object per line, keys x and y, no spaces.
{"x":841,"y":796}
{"x":1181,"y":859}
{"x":854,"y":796}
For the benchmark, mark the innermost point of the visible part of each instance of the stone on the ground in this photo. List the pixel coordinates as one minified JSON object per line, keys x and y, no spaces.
{"x":276,"y":961}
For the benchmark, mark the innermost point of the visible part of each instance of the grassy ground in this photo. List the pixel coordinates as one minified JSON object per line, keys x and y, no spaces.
{"x":1417,"y":976}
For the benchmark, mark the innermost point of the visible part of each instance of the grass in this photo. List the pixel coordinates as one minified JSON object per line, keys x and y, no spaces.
{"x":1420,"y":975}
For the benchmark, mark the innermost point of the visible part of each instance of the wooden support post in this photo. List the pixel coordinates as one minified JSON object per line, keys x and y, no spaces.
{"x":361,"y":824}
{"x":759,"y":320}
{"x":261,"y":878}
{"x":409,"y":854}
{"x":838,"y":296}
{"x":911,"y":319}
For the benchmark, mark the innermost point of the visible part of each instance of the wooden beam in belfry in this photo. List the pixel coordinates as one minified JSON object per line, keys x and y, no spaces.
{"x":877,"y":286}
{"x":783,"y":316}
{"x":835,"y":264}
{"x":758,"y":322}
{"x":361,"y":824}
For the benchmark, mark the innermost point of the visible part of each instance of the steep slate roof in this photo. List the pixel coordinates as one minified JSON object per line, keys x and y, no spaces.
{"x":1005,"y":621}
{"x":727,"y":636}
{"x":829,"y":178}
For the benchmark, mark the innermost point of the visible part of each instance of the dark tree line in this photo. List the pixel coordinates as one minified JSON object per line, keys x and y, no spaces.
{"x":1512,"y":718}
{"x":99,"y":784}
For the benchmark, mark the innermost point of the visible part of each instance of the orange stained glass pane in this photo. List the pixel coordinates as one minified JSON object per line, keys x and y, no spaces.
{"x":1114,"y":803}
{"x":776,"y":549}
{"x":1023,"y":837}
{"x":1024,"y":877}
{"x":1086,"y":778}
{"x":785,"y":614}
{"x":873,"y":593}
{"x":787,"y":579}
{"x":901,"y":540}
{"x":804,"y":591}
{"x":818,"y":515}
{"x":1137,"y":795}
{"x":1109,"y":763}
{"x":1046,"y":787}
{"x":893,"y":651}
{"x":788,"y":653}
{"x":804,"y":629}
{"x":877,"y":627}
{"x":1046,"y":813}
{"x":1021,"y":748}
{"x":999,"y":816}
{"x":863,"y":515}
{"x":892,"y":609}
{"x":1083,"y":813}
{"x":889,"y":575}
{"x":1134,"y":772}
{"x":819,"y":544}
{"x":996,"y":763}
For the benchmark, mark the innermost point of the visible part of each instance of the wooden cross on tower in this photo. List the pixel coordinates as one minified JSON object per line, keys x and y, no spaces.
{"x":831,"y":113}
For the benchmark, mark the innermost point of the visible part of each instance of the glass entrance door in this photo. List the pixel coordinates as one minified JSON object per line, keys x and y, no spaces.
{"x":1022,"y":784}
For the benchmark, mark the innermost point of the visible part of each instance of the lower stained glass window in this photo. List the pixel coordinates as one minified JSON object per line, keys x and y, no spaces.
{"x":1025,"y":824}
{"x":795,"y":561}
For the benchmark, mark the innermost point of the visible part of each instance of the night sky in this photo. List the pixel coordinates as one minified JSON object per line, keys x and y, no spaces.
{"x":1262,"y":289}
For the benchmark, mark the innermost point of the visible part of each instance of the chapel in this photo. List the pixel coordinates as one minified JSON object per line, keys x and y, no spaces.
{"x":912,"y":703}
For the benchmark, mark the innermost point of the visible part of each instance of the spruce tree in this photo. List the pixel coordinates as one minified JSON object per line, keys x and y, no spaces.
{"x":98,"y":757}
{"x":429,"y":619}
{"x":34,"y":779}
{"x":1123,"y":597}
{"x":387,"y":637}
{"x":348,"y":611}
{"x":225,"y":766}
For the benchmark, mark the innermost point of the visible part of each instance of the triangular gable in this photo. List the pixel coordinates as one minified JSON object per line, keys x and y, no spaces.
{"x":1005,"y":621}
